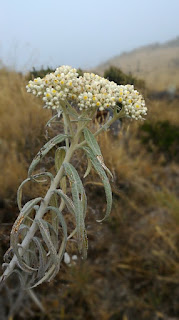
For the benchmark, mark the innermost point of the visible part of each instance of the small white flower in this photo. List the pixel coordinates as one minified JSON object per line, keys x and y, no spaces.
{"x":66,"y":258}
{"x":74,"y":257}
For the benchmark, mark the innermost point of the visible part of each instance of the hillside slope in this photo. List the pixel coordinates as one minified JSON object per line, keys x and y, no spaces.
{"x":158,"y":64}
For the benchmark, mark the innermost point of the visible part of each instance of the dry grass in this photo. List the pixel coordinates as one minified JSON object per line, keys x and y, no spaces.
{"x":133,"y":264}
{"x":21,"y":131}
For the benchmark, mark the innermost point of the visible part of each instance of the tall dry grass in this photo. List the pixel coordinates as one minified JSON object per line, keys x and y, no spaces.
{"x":22,"y":121}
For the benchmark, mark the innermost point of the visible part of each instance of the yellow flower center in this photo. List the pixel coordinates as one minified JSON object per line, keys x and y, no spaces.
{"x":98,"y":104}
{"x":62,"y":82}
{"x":85,"y":97}
{"x":94,"y":98}
{"x":120,"y":99}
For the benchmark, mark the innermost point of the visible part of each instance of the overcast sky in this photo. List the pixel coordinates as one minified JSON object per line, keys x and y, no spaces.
{"x":81,"y":33}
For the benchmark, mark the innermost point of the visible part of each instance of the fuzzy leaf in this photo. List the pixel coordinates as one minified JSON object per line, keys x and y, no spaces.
{"x":54,"y":203}
{"x":17,"y":228}
{"x":67,"y":200}
{"x":79,"y":200}
{"x":89,"y":167}
{"x":59,"y":157}
{"x":20,"y":262}
{"x":51,"y":120}
{"x":43,"y":226}
{"x":97,"y":166}
{"x":91,"y":141}
{"x":64,"y":228}
{"x":94,"y":146}
{"x":48,"y":174}
{"x":45,"y":277}
{"x":45,"y":149}
{"x":42,"y":257}
{"x":19,"y":193}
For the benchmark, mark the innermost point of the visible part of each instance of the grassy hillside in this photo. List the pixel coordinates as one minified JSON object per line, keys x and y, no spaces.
{"x":158,"y":64}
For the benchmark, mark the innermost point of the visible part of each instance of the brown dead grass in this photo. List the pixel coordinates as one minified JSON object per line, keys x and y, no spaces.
{"x":21,"y":131}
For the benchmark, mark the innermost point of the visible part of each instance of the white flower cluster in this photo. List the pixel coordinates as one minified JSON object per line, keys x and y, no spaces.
{"x":97,"y":92}
{"x":89,"y":91}
{"x":56,"y":87}
{"x":133,"y":103}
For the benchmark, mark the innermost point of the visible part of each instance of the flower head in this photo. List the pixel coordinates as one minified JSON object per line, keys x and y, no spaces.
{"x":89,"y":91}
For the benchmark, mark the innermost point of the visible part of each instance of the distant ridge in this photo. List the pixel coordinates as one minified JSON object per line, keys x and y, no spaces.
{"x":157,"y":64}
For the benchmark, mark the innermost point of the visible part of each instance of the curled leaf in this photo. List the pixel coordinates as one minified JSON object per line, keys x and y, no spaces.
{"x":45,"y":149}
{"x":43,"y":226}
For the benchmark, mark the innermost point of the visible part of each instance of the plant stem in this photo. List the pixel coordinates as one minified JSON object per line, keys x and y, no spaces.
{"x":65,"y":126}
{"x":104,"y":127}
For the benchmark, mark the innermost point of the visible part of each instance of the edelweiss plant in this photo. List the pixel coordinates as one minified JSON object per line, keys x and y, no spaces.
{"x":36,"y":249}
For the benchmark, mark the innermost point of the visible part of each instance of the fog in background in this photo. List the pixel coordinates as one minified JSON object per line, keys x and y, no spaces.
{"x":81,"y":33}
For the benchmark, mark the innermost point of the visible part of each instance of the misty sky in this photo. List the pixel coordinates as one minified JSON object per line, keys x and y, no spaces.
{"x":81,"y":33}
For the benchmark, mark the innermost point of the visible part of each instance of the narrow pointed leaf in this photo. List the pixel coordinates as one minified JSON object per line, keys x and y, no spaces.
{"x":51,"y":120}
{"x":78,"y":194}
{"x":91,"y":141}
{"x":45,"y":149}
{"x":44,"y":278}
{"x":43,"y":226}
{"x":94,"y":146}
{"x":97,"y":166}
{"x":67,"y":200}
{"x":88,"y":170}
{"x":54,"y":203}
{"x":42,"y":257}
{"x":101,"y":161}
{"x":59,"y":157}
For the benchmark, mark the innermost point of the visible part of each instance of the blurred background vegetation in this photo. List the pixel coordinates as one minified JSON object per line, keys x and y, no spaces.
{"x":132,"y":270}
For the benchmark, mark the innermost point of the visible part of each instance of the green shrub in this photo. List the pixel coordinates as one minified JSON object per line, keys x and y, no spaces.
{"x":163,"y":135}
{"x":118,"y":76}
{"x":35,"y":73}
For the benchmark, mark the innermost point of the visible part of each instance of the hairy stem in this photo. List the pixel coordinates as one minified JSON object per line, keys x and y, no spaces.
{"x":102,"y":128}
